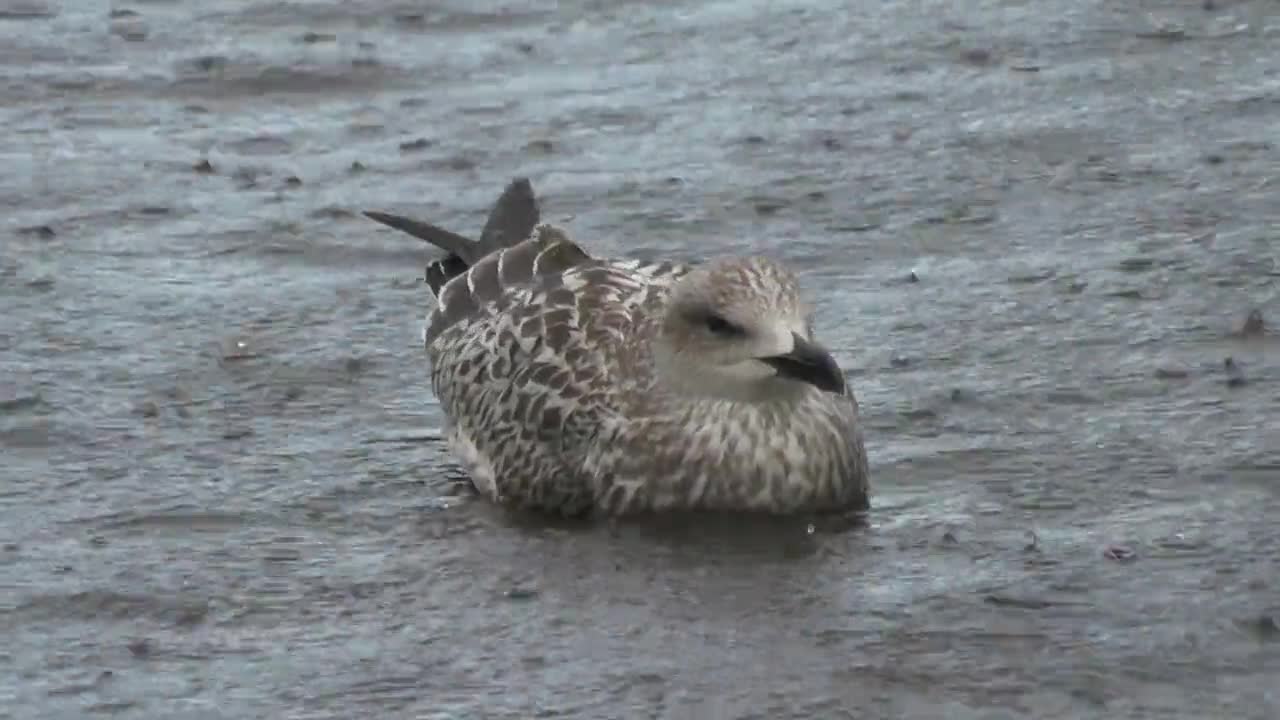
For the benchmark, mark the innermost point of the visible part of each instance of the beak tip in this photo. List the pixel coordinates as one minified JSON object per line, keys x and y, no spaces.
{"x":810,"y":363}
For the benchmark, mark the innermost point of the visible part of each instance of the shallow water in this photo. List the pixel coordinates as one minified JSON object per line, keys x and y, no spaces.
{"x":223,"y":493}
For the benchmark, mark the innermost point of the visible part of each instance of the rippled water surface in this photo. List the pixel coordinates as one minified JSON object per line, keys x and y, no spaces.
{"x":222,"y":493}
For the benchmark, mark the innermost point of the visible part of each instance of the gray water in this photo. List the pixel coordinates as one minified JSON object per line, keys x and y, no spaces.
{"x":223,"y":494}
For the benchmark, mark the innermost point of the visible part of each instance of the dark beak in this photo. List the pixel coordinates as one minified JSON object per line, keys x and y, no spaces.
{"x":811,"y":363}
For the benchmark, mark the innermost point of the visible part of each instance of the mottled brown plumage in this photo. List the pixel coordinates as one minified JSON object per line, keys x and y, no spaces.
{"x":573,"y":383}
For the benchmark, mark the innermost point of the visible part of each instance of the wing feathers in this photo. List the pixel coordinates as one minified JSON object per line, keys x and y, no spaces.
{"x":548,"y":252}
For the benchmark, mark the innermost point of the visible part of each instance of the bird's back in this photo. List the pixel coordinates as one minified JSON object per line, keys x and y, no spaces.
{"x":528,"y":336}
{"x":532,"y":352}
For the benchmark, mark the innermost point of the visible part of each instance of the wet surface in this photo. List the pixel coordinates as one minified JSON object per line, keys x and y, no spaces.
{"x":1034,"y":232}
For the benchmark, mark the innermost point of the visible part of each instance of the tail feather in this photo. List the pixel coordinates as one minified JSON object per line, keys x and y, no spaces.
{"x":450,"y":242}
{"x":511,"y":220}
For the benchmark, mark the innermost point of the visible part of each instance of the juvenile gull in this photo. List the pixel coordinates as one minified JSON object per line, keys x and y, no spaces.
{"x":577,"y":384}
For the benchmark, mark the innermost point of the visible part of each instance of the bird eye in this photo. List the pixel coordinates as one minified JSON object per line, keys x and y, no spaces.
{"x":719,"y":326}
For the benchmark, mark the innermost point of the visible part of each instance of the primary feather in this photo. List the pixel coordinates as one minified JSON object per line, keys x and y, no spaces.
{"x":573,"y":383}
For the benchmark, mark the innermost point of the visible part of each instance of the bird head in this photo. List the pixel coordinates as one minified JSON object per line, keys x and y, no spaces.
{"x":738,"y":329}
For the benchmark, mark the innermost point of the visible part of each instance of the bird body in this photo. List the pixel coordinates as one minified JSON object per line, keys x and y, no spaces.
{"x":576,"y":384}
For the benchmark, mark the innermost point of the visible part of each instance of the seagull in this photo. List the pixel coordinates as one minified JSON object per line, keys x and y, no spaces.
{"x":580,"y":385}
